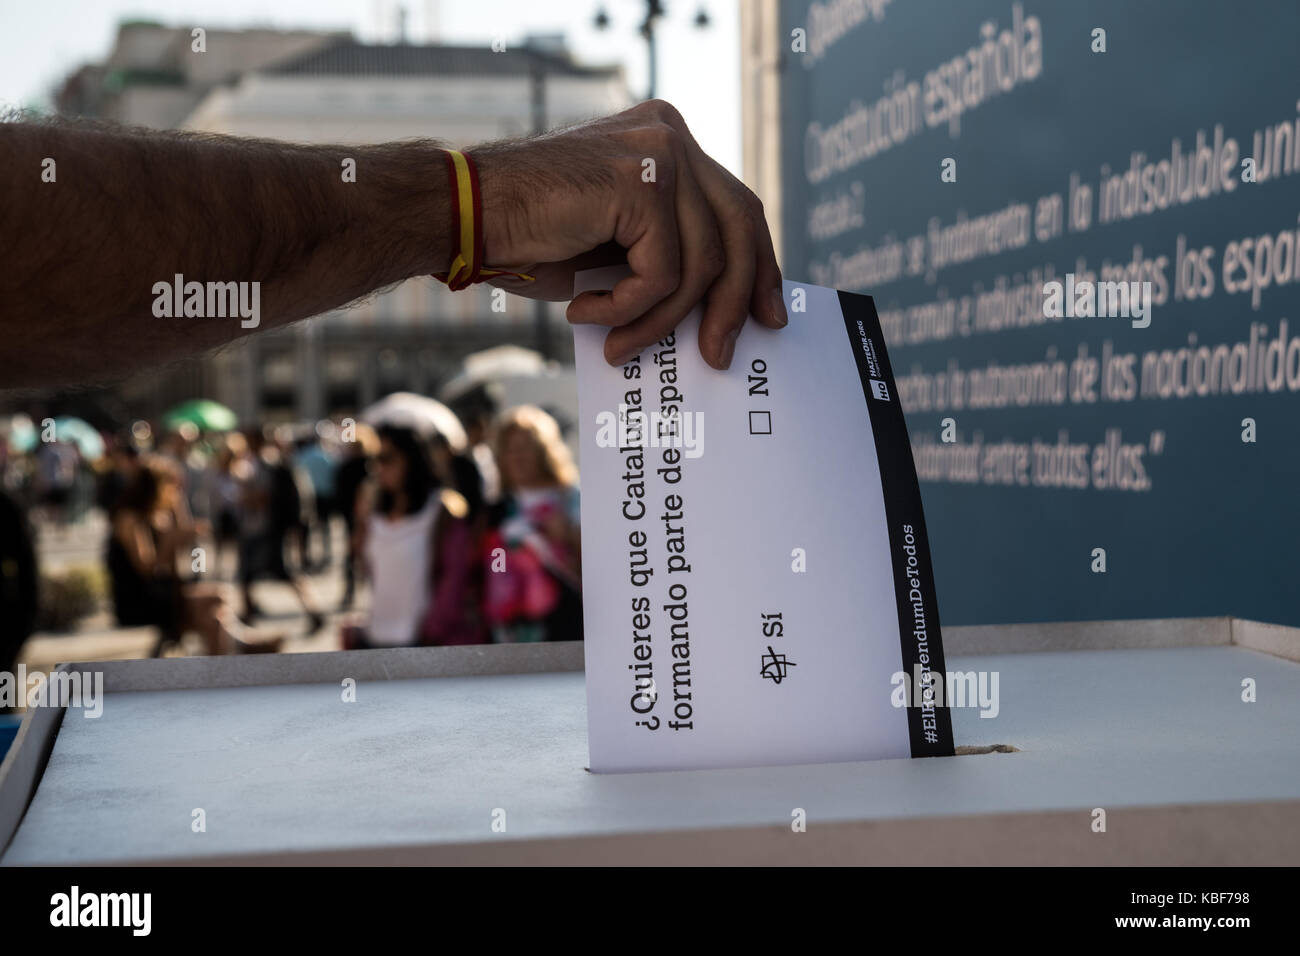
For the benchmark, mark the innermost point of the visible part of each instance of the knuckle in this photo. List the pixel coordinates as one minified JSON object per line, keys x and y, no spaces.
{"x":629,"y":166}
{"x":645,"y":170}
{"x":662,"y":110}
{"x":668,"y":135}
{"x":654,"y":141}
{"x":713,"y":259}
{"x":664,"y":284}
{"x":743,"y":205}
{"x":661,"y":138}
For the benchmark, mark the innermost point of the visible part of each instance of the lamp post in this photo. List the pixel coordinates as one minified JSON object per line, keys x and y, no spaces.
{"x":654,"y":12}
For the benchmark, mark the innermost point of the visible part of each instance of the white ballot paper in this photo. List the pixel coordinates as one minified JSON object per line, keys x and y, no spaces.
{"x":756,"y":574}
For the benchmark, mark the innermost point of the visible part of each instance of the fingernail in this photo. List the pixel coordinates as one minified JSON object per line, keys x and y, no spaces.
{"x":729,"y":347}
{"x":778,"y":307}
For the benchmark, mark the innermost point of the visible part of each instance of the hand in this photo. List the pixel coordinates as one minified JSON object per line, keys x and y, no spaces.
{"x":162,"y":521}
{"x":576,"y":199}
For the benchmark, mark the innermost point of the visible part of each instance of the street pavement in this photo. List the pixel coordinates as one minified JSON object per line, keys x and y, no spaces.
{"x":98,"y":638}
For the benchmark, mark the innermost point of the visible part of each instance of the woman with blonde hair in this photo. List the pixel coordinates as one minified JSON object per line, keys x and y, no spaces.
{"x":533,"y":589}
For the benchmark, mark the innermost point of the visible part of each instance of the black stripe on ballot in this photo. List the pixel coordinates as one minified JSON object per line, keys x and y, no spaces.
{"x":929,"y":722}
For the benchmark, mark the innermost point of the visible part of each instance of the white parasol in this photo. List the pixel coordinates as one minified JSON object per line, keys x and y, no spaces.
{"x":423,"y":415}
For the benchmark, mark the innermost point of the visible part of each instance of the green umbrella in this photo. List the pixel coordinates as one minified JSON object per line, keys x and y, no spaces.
{"x":203,"y":413}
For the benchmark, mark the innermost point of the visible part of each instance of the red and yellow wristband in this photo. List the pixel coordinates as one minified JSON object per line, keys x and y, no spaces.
{"x":467,"y":226}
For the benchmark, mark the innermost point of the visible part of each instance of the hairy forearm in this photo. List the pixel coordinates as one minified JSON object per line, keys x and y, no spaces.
{"x":124,"y":249}
{"x":130,"y":209}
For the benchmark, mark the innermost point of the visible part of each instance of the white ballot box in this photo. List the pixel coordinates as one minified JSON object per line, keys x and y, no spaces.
{"x":1142,"y":718}
{"x":756,"y":574}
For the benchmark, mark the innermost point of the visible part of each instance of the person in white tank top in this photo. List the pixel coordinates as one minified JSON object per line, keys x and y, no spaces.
{"x":399,"y":557}
{"x":397,"y":539}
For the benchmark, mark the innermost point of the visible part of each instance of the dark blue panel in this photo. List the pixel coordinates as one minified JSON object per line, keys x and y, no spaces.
{"x":1194,"y":520}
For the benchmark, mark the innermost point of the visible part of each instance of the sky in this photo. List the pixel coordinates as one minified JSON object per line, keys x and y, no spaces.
{"x":699,"y":70}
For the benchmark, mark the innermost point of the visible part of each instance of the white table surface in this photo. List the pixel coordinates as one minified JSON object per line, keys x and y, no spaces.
{"x":292,"y":767}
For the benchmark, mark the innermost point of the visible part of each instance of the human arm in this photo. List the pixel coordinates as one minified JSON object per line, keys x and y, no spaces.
{"x":133,"y":208}
{"x":136,"y":539}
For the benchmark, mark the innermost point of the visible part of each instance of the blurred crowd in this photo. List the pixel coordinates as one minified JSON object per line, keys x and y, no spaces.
{"x":453,"y":537}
